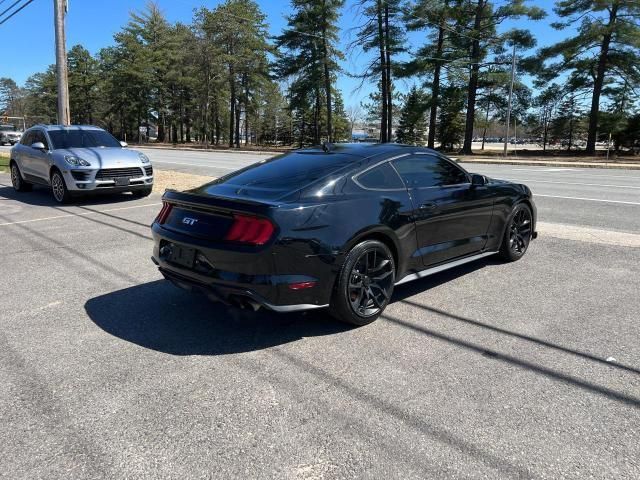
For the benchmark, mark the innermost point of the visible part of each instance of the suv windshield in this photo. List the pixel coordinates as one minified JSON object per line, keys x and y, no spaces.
{"x":7,"y":128}
{"x":82,"y":139}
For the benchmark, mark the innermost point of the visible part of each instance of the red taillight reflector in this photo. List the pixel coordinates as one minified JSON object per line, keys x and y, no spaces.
{"x":251,"y":230}
{"x":164,"y":213}
{"x":301,"y":285}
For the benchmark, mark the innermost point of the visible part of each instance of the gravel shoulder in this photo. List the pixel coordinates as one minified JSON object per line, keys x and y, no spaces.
{"x":170,"y":179}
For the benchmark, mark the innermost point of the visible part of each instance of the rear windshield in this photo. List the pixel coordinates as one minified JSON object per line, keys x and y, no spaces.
{"x":82,"y":139}
{"x":288,"y":172}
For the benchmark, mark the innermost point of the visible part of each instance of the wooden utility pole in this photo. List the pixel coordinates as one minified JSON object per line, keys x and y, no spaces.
{"x":513,"y":77}
{"x":60,"y":10}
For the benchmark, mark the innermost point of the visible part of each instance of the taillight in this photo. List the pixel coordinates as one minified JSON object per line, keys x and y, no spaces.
{"x":251,"y":230}
{"x":164,"y":213}
{"x":301,"y":285}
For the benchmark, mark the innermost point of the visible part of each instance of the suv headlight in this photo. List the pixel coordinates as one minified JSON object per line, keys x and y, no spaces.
{"x":76,"y":161}
{"x":143,"y":158}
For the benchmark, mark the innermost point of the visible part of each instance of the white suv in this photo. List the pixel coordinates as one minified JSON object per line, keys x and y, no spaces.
{"x":78,"y":160}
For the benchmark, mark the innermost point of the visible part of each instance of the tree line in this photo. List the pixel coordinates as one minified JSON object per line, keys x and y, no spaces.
{"x":223,"y":80}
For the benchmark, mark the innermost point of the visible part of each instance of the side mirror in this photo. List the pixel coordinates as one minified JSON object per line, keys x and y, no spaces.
{"x":478,"y":180}
{"x":124,"y":144}
{"x":38,"y":146}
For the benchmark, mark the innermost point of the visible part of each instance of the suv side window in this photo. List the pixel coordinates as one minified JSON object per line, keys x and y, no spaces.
{"x":382,"y":177}
{"x":39,"y":136}
{"x":27,"y":138}
{"x":426,"y":170}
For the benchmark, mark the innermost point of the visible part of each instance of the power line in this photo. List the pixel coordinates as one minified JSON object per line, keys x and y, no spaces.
{"x":10,"y":7}
{"x":15,"y":12}
{"x":446,"y":27}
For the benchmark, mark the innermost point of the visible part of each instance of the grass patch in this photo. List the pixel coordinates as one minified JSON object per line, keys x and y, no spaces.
{"x":4,"y":162}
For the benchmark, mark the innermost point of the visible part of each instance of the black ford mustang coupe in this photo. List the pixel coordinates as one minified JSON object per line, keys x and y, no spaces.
{"x":337,"y":227}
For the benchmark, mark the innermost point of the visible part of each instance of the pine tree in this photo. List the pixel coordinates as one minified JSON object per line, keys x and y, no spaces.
{"x":451,"y":122}
{"x":83,"y":85}
{"x":568,"y":124}
{"x":547,"y":104}
{"x":604,"y":50}
{"x":478,"y":20}
{"x":412,"y":128}
{"x":310,"y":56}
{"x":436,"y":17}
{"x":383,"y":34}
{"x":41,"y":96}
{"x":12,"y":98}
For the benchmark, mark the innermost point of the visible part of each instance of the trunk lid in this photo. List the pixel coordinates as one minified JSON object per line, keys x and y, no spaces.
{"x":209,"y":217}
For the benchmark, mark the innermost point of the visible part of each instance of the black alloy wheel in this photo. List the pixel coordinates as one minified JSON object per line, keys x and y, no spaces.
{"x":518,"y":233}
{"x":365,"y":284}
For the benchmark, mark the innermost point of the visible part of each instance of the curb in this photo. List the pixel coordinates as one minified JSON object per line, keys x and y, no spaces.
{"x":546,"y":163}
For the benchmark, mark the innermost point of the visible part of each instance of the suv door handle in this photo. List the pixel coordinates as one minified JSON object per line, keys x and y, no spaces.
{"x":429,"y":206}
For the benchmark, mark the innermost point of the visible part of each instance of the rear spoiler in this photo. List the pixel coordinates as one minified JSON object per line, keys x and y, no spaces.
{"x":218,"y":202}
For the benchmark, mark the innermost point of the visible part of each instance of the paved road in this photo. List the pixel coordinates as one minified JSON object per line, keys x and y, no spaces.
{"x":525,"y":370}
{"x":601,"y":198}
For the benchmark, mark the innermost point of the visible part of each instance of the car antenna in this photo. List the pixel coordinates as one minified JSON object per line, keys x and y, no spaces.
{"x":327,"y":146}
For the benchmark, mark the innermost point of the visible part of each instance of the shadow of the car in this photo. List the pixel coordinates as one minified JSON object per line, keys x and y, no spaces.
{"x":415,"y":287}
{"x":160,"y":317}
{"x":41,"y":196}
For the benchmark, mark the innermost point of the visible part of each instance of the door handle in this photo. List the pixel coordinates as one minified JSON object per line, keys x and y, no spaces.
{"x":429,"y":206}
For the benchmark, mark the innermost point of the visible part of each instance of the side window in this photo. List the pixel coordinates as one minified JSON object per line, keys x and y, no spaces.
{"x":39,"y":136}
{"x":27,"y":139}
{"x":429,"y":171}
{"x":382,"y":177}
{"x":43,"y":139}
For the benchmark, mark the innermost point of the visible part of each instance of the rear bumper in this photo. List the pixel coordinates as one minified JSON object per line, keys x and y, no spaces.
{"x":228,"y":295}
{"x":239,"y":278}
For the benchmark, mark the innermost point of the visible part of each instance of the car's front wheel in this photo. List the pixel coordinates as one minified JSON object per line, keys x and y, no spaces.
{"x":18,"y":183}
{"x":365,"y":283}
{"x":59,"y":188}
{"x":518,"y":233}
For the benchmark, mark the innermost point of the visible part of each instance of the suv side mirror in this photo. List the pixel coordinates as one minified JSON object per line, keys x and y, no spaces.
{"x":478,"y":180}
{"x":124,"y":144}
{"x":38,"y":146}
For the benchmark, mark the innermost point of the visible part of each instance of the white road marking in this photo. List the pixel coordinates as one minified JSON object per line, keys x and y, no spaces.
{"x":96,"y":212}
{"x":586,"y":199}
{"x":41,"y":309}
{"x":553,"y":169}
{"x":578,"y":183}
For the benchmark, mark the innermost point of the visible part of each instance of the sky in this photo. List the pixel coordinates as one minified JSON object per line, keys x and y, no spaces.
{"x":27,"y":39}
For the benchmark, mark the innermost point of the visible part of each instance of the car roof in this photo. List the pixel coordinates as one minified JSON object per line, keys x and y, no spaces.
{"x":67,"y":127}
{"x":365,"y":150}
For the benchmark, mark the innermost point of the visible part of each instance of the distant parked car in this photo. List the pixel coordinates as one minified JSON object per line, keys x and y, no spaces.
{"x":9,"y":134}
{"x":78,"y":160}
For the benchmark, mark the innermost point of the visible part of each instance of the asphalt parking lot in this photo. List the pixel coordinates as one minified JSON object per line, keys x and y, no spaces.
{"x":491,"y":370}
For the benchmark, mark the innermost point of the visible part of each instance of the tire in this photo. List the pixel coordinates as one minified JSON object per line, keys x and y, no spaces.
{"x":59,"y":188}
{"x":365,"y":284}
{"x":517,"y":234}
{"x":143,"y":192}
{"x":19,"y":185}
